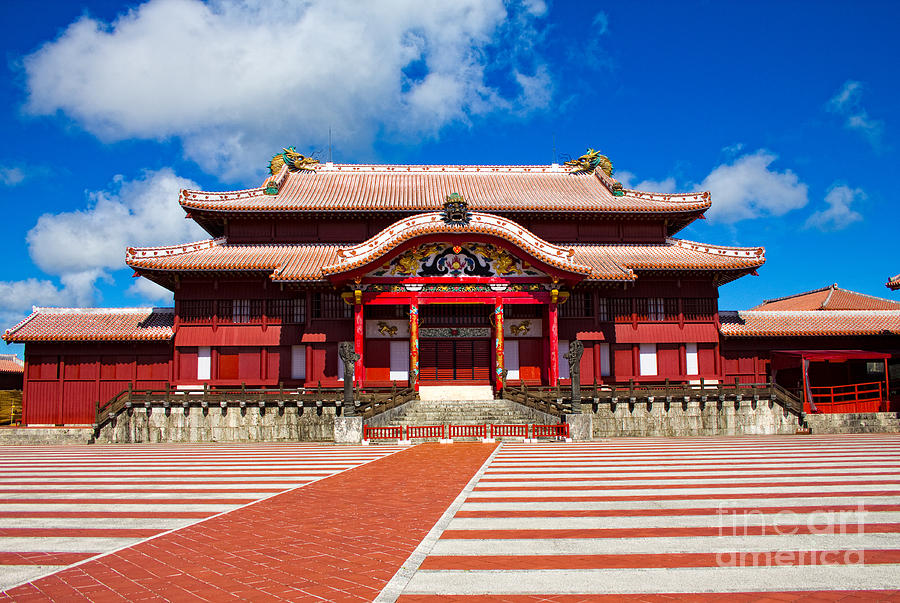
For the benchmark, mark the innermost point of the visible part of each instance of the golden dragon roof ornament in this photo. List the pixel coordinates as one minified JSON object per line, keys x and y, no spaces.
{"x":295,"y":161}
{"x":587,"y":163}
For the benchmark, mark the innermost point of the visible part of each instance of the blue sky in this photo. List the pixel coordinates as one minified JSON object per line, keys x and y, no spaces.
{"x":786,"y":111}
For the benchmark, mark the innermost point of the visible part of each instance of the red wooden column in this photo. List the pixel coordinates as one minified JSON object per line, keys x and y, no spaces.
{"x":359,"y":340}
{"x":414,"y":344}
{"x":553,"y":336}
{"x":498,"y":343}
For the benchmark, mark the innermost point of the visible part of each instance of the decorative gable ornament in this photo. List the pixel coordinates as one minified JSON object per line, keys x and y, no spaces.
{"x":590,"y":161}
{"x":295,"y":162}
{"x":456,"y":210}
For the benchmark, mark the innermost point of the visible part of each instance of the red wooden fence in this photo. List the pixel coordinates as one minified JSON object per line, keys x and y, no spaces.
{"x":468,"y":431}
{"x":425,"y":431}
{"x":514,"y":431}
{"x":560,"y":430}
{"x":382,"y":433}
{"x":857,"y":397}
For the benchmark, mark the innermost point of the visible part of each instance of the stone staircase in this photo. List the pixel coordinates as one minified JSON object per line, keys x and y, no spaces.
{"x":857,"y":422}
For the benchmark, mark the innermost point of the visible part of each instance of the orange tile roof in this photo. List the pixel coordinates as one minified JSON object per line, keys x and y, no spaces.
{"x":828,"y":298}
{"x":94,"y":324}
{"x":10,"y":363}
{"x":303,"y":261}
{"x":893,"y":283}
{"x":341,"y":187}
{"x":311,"y":262}
{"x":809,"y":323}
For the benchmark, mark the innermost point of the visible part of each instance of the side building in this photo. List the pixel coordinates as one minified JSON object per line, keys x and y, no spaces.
{"x":436,"y":274}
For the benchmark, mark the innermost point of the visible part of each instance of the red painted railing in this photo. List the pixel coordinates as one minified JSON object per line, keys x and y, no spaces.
{"x":513,"y":431}
{"x":425,"y":431}
{"x":857,"y":397}
{"x":382,"y":433}
{"x":560,"y":430}
{"x":468,"y":431}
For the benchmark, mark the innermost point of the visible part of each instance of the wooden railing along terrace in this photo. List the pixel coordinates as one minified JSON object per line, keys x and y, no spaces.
{"x":367,"y":403}
{"x":856,"y":397}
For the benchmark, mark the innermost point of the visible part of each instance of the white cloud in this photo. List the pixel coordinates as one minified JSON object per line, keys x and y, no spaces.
{"x":11,"y":176}
{"x":17,"y":298}
{"x":666,"y":185}
{"x":838,"y":214}
{"x":150,"y":291}
{"x":92,"y":241}
{"x":743,"y":189}
{"x":600,"y":23}
{"x":747,"y":188}
{"x":847,"y":102}
{"x":235,"y":80}
{"x":85,"y":246}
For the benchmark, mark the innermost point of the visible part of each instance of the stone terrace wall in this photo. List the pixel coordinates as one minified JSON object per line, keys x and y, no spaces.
{"x":693,"y":418}
{"x":250,"y":424}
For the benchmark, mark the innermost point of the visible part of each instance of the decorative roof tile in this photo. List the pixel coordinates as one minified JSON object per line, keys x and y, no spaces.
{"x":828,"y":298}
{"x":10,"y":363}
{"x":893,"y":283}
{"x":337,"y":187}
{"x":94,"y":324}
{"x":476,"y":224}
{"x":809,"y":323}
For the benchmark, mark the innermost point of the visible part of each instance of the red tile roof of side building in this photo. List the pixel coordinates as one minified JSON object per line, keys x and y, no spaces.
{"x":94,"y":324}
{"x":354,"y":188}
{"x":10,"y":363}
{"x":809,"y":323}
{"x":893,"y":283}
{"x":310,"y":262}
{"x":828,"y":298}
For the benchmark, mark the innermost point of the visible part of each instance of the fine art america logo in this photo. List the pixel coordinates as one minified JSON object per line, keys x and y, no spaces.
{"x":749,"y":526}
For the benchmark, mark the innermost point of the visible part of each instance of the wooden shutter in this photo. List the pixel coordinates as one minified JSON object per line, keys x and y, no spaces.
{"x":445,"y":359}
{"x":482,"y":358}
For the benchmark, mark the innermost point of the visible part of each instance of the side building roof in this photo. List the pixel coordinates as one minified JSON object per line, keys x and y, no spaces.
{"x":809,"y":323}
{"x":94,"y":324}
{"x":10,"y":363}
{"x":828,"y":298}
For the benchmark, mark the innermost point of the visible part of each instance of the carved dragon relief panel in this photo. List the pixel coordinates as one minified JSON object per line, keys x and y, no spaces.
{"x":470,"y":259}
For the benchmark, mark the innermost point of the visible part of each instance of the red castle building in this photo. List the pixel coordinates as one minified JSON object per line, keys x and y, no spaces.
{"x":437,"y":274}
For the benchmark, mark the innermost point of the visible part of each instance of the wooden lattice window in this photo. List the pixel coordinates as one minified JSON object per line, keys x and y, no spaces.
{"x":579,"y":305}
{"x":197,"y":310}
{"x":699,"y":308}
{"x":288,"y":311}
{"x":330,"y":306}
{"x":622,"y":309}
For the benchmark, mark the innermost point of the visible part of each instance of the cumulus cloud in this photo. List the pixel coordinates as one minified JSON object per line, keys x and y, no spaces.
{"x":150,"y":291}
{"x":11,"y":176}
{"x":749,"y":188}
{"x":847,"y":102}
{"x":93,"y":240}
{"x":235,"y":79}
{"x":838,"y":214}
{"x":85,"y":246}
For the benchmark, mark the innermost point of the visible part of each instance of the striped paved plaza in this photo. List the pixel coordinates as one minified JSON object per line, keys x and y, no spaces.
{"x":639,"y":517}
{"x":62,"y":505}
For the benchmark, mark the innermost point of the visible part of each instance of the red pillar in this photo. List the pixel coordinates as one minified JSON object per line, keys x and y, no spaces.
{"x":414,"y":344}
{"x":498,"y":344}
{"x":553,"y":329}
{"x":359,"y":340}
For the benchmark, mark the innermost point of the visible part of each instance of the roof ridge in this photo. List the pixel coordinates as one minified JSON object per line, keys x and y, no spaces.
{"x":169,"y":250}
{"x":884,"y":299}
{"x":720,"y":249}
{"x":121,"y":310}
{"x":775,"y":299}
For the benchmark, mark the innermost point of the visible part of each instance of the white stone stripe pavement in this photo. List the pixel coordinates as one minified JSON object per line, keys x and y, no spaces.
{"x":651,"y":580}
{"x":721,"y":501}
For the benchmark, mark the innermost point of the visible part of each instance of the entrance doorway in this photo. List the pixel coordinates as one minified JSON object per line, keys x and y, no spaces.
{"x":461,"y":361}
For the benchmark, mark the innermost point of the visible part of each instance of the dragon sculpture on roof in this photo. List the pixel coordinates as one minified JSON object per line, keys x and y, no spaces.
{"x":295,"y":161}
{"x":587,"y":163}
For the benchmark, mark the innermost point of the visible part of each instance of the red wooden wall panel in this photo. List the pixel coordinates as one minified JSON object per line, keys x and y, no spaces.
{"x":378,"y":359}
{"x":79,"y":401}
{"x":42,"y":403}
{"x":623,"y":363}
{"x":668,"y":361}
{"x":531,"y":353}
